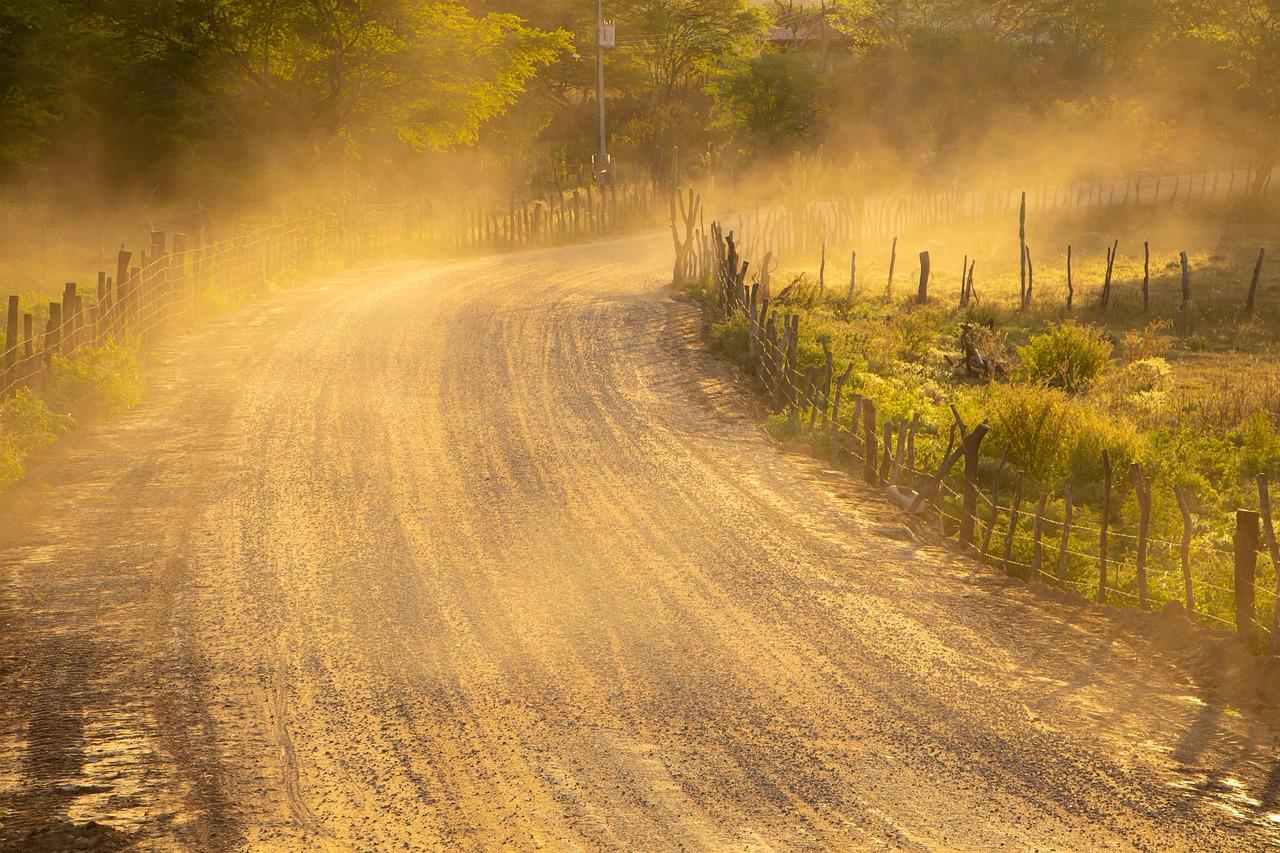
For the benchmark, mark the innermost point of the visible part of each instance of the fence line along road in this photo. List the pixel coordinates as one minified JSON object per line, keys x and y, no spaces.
{"x":166,"y":282}
{"x":840,"y":221}
{"x":1012,"y":528}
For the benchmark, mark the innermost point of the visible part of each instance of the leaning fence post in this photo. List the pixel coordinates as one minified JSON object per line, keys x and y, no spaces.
{"x":969,"y":503}
{"x":1253,"y":283}
{"x":1102,"y":536}
{"x":1269,"y":531}
{"x":1245,"y":545}
{"x":1184,"y":506}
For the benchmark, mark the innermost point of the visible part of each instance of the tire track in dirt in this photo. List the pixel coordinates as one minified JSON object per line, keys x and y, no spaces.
{"x":490,"y":554}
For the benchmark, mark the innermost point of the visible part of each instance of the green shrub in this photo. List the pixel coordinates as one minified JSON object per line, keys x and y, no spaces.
{"x":26,"y":424}
{"x":729,"y":339}
{"x":95,"y":380}
{"x":1259,"y":447}
{"x":1054,"y":437}
{"x":1028,"y":420}
{"x":1068,"y":356}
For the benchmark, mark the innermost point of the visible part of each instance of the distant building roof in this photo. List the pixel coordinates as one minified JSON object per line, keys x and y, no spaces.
{"x":806,"y":33}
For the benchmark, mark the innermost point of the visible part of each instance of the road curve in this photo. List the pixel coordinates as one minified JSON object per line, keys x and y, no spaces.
{"x":488,"y":554}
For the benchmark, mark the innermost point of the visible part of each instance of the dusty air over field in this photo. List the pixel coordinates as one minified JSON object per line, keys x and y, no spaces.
{"x":639,"y":425}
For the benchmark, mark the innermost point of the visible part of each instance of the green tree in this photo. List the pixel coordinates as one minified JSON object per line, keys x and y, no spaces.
{"x":772,"y":102}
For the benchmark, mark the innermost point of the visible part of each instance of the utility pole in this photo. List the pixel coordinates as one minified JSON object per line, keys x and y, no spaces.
{"x":604,"y":38}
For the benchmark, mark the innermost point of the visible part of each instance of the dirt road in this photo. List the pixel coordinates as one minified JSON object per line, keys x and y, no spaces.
{"x":471,"y":556}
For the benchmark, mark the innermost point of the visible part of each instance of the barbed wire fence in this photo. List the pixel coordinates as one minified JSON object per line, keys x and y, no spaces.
{"x":983,"y":505}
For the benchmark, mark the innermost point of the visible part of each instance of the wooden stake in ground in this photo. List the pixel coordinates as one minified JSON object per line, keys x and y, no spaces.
{"x":1022,"y":250}
{"x":822,"y":271}
{"x":995,"y":500}
{"x":1013,"y":525}
{"x":1070,"y":289}
{"x":1146,"y":275}
{"x":1142,"y":490}
{"x":1269,"y":532}
{"x":1184,"y":506}
{"x":1245,"y":545}
{"x":1064,"y":540}
{"x":922,"y":294}
{"x":1106,"y":516}
{"x":1031,"y":278}
{"x":1253,"y":282}
{"x":1186,"y":279}
{"x":1106,"y":283}
{"x":853,"y":272}
{"x":1037,"y":544}
{"x":893,"y":259}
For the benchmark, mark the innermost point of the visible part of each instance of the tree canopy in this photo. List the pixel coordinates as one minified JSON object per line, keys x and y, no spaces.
{"x":214,"y":98}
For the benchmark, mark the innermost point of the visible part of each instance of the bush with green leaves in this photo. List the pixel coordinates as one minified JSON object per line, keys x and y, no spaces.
{"x":1069,"y":356}
{"x":95,"y":380}
{"x":1053,"y":436}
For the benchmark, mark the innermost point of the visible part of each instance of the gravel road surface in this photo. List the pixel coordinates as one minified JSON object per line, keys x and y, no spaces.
{"x":489,"y":554}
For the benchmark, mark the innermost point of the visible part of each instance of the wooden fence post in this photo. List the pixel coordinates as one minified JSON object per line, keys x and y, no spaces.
{"x":1106,"y":282}
{"x":1146,"y":275}
{"x":10,"y":341}
{"x":1064,"y":541}
{"x":30,"y":374}
{"x":1037,"y":545}
{"x":1269,"y":531}
{"x":1022,"y":251}
{"x":1142,"y":490}
{"x":969,"y":503}
{"x":1253,"y":282}
{"x":886,"y":457}
{"x":1070,"y":288}
{"x":1031,"y":280}
{"x":922,"y":293}
{"x":1245,"y":545}
{"x":1186,"y":279}
{"x":893,"y":259}
{"x":1184,"y":506}
{"x":853,"y":272}
{"x":1106,"y":516}
{"x":1013,"y":523}
{"x":833,"y":432}
{"x":995,"y":501}
{"x":52,"y":332}
{"x":869,"y":440}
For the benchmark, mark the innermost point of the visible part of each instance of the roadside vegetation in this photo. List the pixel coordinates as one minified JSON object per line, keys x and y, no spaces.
{"x":1190,"y":394}
{"x":86,"y":384}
